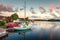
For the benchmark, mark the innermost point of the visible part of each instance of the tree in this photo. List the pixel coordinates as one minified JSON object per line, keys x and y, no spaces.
{"x":14,"y":16}
{"x":2,"y":23}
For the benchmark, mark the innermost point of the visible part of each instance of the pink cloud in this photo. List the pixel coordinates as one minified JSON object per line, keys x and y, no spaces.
{"x":51,"y":6}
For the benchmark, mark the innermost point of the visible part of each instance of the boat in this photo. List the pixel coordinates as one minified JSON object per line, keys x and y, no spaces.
{"x":22,"y":28}
{"x":3,"y":32}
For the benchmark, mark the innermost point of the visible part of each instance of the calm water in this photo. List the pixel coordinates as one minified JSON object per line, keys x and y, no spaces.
{"x":39,"y":31}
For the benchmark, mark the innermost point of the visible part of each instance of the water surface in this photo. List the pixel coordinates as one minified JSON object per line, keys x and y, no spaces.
{"x":40,"y":30}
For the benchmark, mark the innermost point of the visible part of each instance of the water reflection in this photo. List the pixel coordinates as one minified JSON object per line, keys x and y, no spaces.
{"x":46,"y":25}
{"x":49,"y":29}
{"x":43,"y":31}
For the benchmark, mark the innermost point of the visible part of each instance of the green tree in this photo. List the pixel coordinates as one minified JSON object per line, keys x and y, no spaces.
{"x":14,"y":16}
{"x":2,"y":23}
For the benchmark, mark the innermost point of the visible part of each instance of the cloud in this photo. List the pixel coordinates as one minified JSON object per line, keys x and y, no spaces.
{"x":51,"y":6}
{"x":42,"y":9}
{"x":8,"y":8}
{"x":32,"y":10}
{"x":1,"y":7}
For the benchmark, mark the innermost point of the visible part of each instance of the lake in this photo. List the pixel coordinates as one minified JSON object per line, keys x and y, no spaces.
{"x":40,"y":30}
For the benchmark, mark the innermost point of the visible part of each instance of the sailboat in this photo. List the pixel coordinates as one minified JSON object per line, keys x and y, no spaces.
{"x":23,"y":26}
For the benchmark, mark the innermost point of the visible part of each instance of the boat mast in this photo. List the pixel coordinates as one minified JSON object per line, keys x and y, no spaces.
{"x":24,"y":9}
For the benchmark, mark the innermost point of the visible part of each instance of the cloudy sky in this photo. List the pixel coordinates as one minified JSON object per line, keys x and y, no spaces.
{"x":30,"y":3}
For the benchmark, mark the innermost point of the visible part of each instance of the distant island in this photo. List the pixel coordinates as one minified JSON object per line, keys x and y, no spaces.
{"x":53,"y":20}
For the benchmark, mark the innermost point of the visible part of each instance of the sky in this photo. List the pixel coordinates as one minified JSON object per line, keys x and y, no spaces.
{"x":31,"y":3}
{"x":34,"y":3}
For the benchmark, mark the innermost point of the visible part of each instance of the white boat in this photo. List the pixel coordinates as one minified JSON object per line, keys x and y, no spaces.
{"x":22,"y":28}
